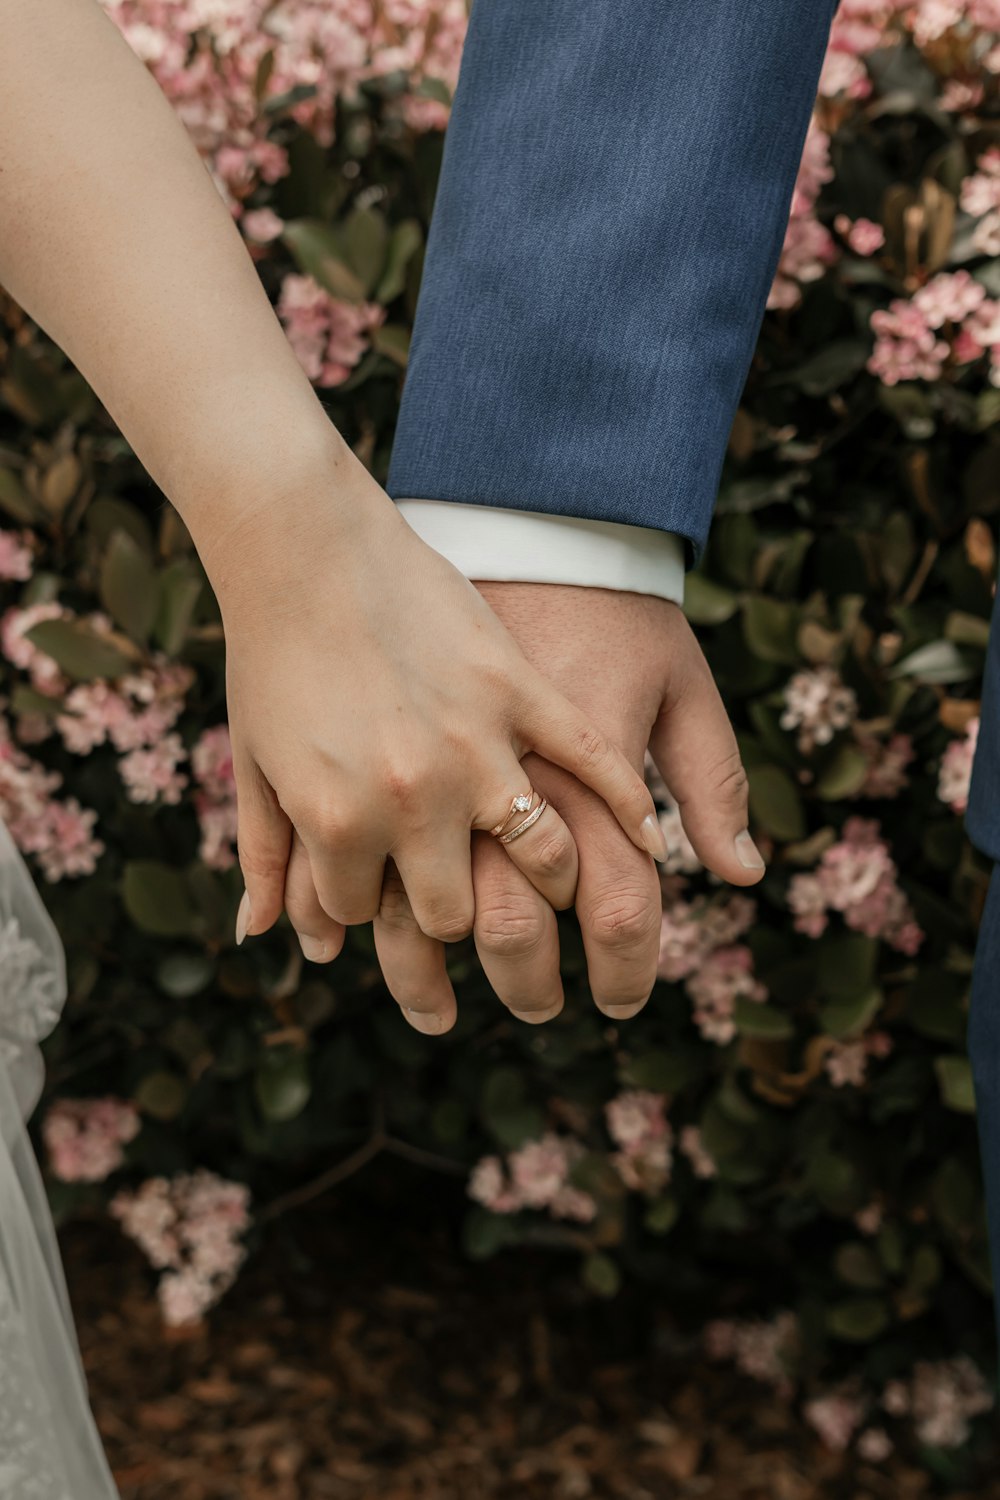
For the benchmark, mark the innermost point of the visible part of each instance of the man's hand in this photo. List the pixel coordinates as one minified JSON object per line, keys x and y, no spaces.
{"x":632,"y":664}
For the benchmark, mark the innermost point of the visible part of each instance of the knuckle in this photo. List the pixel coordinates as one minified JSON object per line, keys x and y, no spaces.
{"x":623,"y":919}
{"x":591,"y":747}
{"x":731,"y":781}
{"x":260,"y":863}
{"x":553,"y":854}
{"x":395,"y":910}
{"x":448,"y":926}
{"x":402,"y":783}
{"x":328,"y":826}
{"x":508,"y":929}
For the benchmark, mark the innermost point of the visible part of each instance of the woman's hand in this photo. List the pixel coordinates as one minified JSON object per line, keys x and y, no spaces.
{"x":379,"y":709}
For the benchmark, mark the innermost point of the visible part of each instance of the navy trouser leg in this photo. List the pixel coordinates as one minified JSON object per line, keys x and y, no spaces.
{"x":984,"y":1053}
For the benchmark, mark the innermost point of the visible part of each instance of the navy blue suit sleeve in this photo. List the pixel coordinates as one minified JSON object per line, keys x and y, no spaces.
{"x":614,"y":194}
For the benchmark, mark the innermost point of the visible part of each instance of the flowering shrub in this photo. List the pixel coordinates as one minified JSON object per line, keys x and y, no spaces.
{"x":784,"y":1138}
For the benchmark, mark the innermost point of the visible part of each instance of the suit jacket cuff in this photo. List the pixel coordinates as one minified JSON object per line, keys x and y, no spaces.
{"x":490,"y":542}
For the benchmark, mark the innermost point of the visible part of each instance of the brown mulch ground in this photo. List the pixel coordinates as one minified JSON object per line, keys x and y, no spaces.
{"x":354,"y":1363}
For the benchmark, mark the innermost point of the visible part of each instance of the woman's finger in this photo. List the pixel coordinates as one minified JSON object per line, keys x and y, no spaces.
{"x":263,"y":840}
{"x":557,"y":730}
{"x":543,"y":850}
{"x":346,"y":868}
{"x":413,"y":964}
{"x":320,"y":937}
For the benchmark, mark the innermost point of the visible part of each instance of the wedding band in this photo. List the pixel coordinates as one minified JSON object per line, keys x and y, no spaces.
{"x":521,"y":803}
{"x":530,"y":820}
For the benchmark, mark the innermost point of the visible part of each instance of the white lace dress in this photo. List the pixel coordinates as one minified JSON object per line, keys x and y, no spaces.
{"x":49,"y":1448}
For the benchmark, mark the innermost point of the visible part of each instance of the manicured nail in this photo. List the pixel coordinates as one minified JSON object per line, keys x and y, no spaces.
{"x":652,"y":837}
{"x":426,"y":1021}
{"x":536,"y":1017}
{"x":313,"y":948}
{"x":747,"y":852}
{"x":243,"y":918}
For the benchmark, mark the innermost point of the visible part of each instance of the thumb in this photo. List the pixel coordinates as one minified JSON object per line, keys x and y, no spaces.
{"x":264,"y":841}
{"x":695,"y":751}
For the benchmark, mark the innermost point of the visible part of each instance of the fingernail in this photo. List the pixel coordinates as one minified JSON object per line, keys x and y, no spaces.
{"x":426,"y":1021}
{"x":623,"y":1012}
{"x":536,"y":1017}
{"x":652,"y":837}
{"x":313,"y":948}
{"x":243,"y":918}
{"x":747,"y":852}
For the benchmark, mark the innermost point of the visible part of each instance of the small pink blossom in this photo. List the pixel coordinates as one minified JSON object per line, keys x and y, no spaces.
{"x":858,"y":878}
{"x":766,"y":1351}
{"x":817,"y":703}
{"x":326,"y":333}
{"x":84,"y":1137}
{"x":152,"y":775}
{"x":703,"y":1164}
{"x":887,"y":763}
{"x":191,"y":1227}
{"x":15,"y":558}
{"x":262,"y":225}
{"x":955,"y":773}
{"x":863,"y":235}
{"x":725,"y":977}
{"x":836,"y":1417}
{"x":874,"y":1445}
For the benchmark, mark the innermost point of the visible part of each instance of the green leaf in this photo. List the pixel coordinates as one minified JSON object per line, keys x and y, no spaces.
{"x":708,"y":603}
{"x":601,"y":1275}
{"x":184,"y":973}
{"x":662,"y":1214}
{"x":483,"y":1233}
{"x":843,"y":775}
{"x":158,"y":899}
{"x":161,"y":1094}
{"x":846,"y":965}
{"x":405,"y":241}
{"x":318,"y":251}
{"x":858,"y":1319}
{"x":282,"y":1087}
{"x":775,"y":804}
{"x":770,"y":627}
{"x":129,"y":586}
{"x":858,"y":1265}
{"x":78,"y":650}
{"x":755,"y":1019}
{"x":954,"y":1075}
{"x":835,"y":365}
{"x":181,"y":587}
{"x":15,"y":500}
{"x":850,"y":1017}
{"x":938,"y":661}
{"x":393,"y":341}
{"x":365,"y":235}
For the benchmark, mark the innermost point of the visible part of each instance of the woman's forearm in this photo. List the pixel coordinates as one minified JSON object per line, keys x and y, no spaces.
{"x":115,"y":239}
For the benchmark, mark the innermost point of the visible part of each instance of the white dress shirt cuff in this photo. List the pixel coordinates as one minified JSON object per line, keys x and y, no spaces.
{"x":527,"y":546}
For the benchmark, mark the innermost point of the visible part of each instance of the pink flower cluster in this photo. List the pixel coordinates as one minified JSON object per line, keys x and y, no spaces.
{"x":698,"y":945}
{"x":84,"y":1137}
{"x":766,"y":1350}
{"x":951,"y":317}
{"x":980,"y":197}
{"x":223,"y":64}
{"x":15,"y":556}
{"x":941,"y":1399}
{"x":637,"y":1123}
{"x":847,"y":1062}
{"x":887,"y":763}
{"x":326,"y":333}
{"x":808,"y":248}
{"x":215,"y":798}
{"x":535,"y":1176}
{"x":955,"y":773}
{"x":817,"y":704}
{"x":190,"y":1227}
{"x":58,"y":833}
{"x":857,"y":877}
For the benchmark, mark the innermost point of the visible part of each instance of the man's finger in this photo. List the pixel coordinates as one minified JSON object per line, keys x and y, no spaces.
{"x":413,"y":964}
{"x":516,"y":934}
{"x":695,"y":751}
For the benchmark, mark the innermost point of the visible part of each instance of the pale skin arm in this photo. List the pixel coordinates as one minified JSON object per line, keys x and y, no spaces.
{"x":377,"y":705}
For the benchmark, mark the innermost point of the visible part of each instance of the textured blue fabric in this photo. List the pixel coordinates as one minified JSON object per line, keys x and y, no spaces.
{"x":982,"y":819}
{"x":983,"y":1043}
{"x":616,"y":183}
